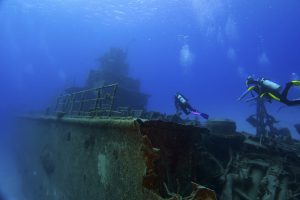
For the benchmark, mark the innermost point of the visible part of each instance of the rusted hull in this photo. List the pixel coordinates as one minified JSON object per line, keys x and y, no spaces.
{"x":132,"y":159}
{"x":75,"y":158}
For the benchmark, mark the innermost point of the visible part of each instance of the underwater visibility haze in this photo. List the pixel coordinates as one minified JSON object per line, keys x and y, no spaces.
{"x":204,"y":49}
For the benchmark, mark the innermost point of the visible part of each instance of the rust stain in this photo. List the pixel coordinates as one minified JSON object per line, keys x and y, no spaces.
{"x":151,"y":178}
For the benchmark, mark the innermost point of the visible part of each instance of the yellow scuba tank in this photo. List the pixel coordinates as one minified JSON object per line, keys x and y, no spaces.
{"x":270,"y":85}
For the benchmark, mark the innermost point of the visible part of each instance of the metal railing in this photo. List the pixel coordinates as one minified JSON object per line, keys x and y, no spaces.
{"x":91,"y":102}
{"x":100,"y":102}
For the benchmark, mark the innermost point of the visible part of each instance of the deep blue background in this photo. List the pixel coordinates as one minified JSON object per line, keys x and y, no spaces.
{"x":46,"y":46}
{"x":49,"y":45}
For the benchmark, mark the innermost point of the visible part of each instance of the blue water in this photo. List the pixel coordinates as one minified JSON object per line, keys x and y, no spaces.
{"x":203,"y":48}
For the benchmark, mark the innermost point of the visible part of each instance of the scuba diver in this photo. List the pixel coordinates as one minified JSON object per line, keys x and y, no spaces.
{"x":182,"y":104}
{"x":270,"y":90}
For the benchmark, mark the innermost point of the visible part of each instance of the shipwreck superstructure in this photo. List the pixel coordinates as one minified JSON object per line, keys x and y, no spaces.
{"x":93,"y":146}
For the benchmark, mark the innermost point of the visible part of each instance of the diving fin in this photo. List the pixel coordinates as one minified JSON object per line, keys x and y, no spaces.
{"x":296,"y":83}
{"x":205,"y":116}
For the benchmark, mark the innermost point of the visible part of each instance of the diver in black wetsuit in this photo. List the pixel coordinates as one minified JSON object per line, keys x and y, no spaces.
{"x":182,"y":104}
{"x":270,"y":90}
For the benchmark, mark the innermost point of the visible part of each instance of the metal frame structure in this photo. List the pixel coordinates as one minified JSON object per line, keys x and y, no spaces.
{"x":262,"y":121}
{"x":92,"y":102}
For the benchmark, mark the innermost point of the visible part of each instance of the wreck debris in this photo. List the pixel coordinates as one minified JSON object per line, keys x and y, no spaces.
{"x":223,"y":127}
{"x":262,"y":121}
{"x":199,"y":192}
{"x":265,"y":125}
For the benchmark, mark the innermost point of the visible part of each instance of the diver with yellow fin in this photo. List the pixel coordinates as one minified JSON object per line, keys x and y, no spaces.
{"x":270,"y":90}
{"x":182,"y":104}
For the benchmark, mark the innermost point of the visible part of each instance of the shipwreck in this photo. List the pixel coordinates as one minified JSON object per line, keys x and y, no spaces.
{"x":99,"y":142}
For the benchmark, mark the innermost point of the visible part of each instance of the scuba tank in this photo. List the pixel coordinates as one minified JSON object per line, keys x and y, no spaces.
{"x":181,"y":99}
{"x":270,"y":85}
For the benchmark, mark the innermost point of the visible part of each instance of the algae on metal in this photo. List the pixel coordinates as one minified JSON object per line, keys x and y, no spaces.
{"x":79,"y":158}
{"x":129,"y":158}
{"x":101,"y":122}
{"x":93,"y":160}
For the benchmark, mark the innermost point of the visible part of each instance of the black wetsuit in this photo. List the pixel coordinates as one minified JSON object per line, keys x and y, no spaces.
{"x":181,"y":103}
{"x":282,"y":97}
{"x":284,"y":94}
